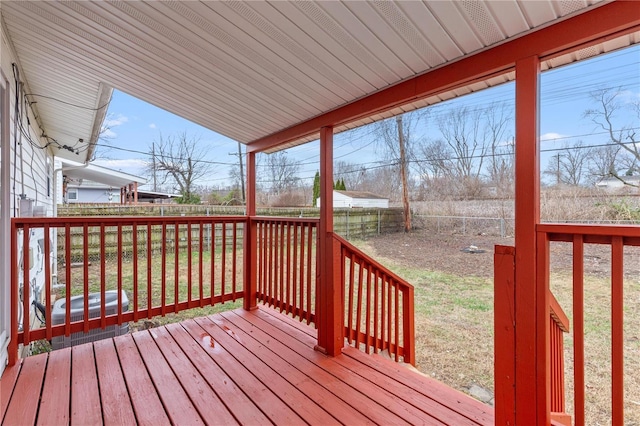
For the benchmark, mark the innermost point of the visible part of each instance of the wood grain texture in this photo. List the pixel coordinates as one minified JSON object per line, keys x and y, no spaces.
{"x":237,"y":367}
{"x":54,"y":405}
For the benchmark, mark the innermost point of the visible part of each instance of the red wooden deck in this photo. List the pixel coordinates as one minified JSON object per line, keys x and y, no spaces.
{"x":244,"y":367}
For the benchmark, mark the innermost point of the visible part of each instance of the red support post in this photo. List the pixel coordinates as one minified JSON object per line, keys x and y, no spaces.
{"x":329,"y":317}
{"x":504,"y":336}
{"x":531,"y":295}
{"x":249,"y":238}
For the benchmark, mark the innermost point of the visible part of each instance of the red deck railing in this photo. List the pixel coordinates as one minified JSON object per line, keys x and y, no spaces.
{"x":378,"y":304}
{"x":287,"y":264}
{"x":504,"y":305}
{"x":617,"y":238}
{"x":166,"y":264}
{"x":170,"y":264}
{"x":558,"y":325}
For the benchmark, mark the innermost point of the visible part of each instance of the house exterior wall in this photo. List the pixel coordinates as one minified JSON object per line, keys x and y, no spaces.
{"x":92,"y":194}
{"x":340,"y":200}
{"x":27,"y":171}
{"x":344,"y":201}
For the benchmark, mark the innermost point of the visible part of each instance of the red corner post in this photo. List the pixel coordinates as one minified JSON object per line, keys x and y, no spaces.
{"x":249,"y":238}
{"x":504,"y":336}
{"x":532,"y":374}
{"x":330,"y":319}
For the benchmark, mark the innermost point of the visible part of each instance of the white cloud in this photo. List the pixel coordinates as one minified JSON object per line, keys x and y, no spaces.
{"x":551,"y":136}
{"x":108,"y":133}
{"x":152,"y":125}
{"x":110,"y":123}
{"x":115,"y":120}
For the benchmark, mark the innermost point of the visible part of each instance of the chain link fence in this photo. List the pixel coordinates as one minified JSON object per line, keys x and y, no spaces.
{"x":465,"y":225}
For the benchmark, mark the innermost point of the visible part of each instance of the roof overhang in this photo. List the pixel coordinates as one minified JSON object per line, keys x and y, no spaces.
{"x":248,"y":70}
{"x":103,"y":175}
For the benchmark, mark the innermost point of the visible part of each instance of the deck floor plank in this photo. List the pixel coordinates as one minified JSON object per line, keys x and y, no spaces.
{"x":446,"y":405}
{"x":380,"y":407}
{"x":210,"y":407}
{"x":323,"y":388}
{"x":307,"y":409}
{"x":174,"y":398}
{"x":23,"y":406}
{"x":412,"y":411}
{"x":258,"y":391}
{"x":56,"y":393}
{"x":85,"y":396}
{"x":116,"y":404}
{"x":407,"y":384}
{"x":7,"y":384}
{"x":236,"y":367}
{"x":145,"y":400}
{"x":431,"y":388}
{"x":243,"y":408}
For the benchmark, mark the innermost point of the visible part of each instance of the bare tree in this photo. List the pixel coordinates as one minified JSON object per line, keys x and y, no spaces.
{"x":462,"y":130}
{"x":280,"y":172}
{"x":498,"y":128}
{"x":180,"y":159}
{"x":353,"y":174}
{"x":399,"y":142}
{"x":603,"y":162}
{"x":384,"y":181}
{"x":501,"y":168}
{"x":609,"y":114}
{"x":569,"y":166}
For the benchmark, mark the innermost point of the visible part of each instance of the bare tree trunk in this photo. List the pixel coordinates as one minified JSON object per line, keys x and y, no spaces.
{"x":403,"y":176}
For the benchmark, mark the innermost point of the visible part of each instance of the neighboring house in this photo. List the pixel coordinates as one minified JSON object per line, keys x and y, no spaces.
{"x":357,"y":199}
{"x":612,"y":183}
{"x":91,"y":192}
{"x":90,"y":183}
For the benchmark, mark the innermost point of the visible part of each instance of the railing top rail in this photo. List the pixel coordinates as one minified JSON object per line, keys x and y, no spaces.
{"x":121,"y":220}
{"x":285,"y":219}
{"x":595,"y":229}
{"x":401,"y":281}
{"x":592,"y":234}
{"x":558,"y":314}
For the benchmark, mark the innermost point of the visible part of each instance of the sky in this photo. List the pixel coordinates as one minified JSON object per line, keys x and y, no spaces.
{"x":134,"y":125}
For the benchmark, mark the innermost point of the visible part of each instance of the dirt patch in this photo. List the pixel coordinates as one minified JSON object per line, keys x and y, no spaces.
{"x":440,"y":252}
{"x":447,"y":253}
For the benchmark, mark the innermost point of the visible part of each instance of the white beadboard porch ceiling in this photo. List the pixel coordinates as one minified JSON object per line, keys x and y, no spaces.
{"x":249,"y":69}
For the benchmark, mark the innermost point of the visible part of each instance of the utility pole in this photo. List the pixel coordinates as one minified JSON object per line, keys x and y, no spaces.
{"x":403,"y":176}
{"x":153,"y":160}
{"x":244,"y":199}
{"x":239,"y":155}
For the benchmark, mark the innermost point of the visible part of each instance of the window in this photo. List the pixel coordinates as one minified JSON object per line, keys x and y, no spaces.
{"x":72,"y":194}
